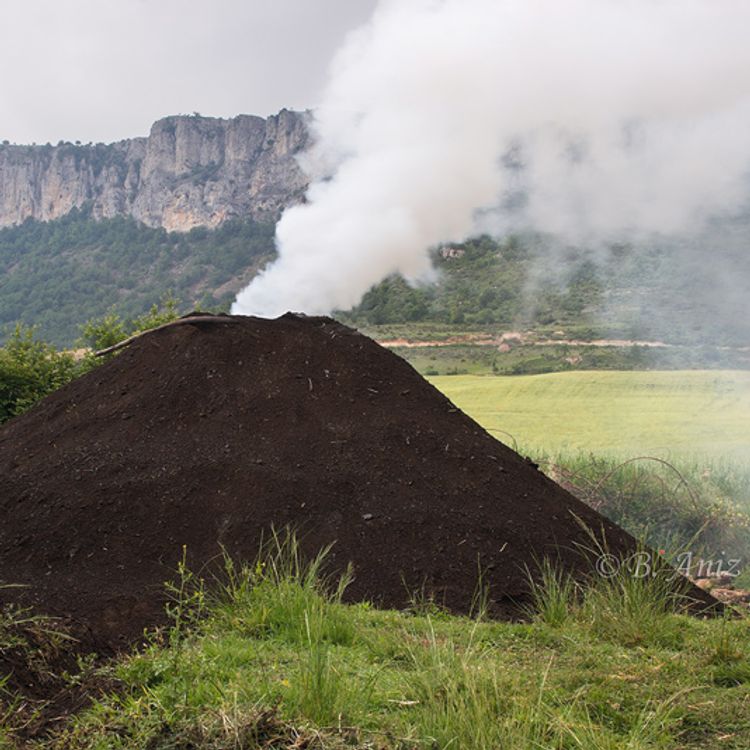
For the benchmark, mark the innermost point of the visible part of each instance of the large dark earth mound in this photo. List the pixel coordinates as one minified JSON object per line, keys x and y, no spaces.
{"x":207,"y":433}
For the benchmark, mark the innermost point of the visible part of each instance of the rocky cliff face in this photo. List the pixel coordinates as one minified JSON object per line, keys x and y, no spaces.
{"x":190,"y":171}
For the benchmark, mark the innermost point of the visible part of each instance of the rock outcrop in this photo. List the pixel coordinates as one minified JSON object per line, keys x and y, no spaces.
{"x":190,"y":171}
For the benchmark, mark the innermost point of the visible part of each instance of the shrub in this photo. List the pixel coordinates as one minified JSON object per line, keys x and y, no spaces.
{"x":110,"y":329}
{"x":29,"y":371}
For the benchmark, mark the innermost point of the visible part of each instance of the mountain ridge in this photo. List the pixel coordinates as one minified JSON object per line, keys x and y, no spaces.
{"x":190,"y":171}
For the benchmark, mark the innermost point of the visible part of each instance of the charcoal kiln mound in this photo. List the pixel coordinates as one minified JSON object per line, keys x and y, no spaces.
{"x":206,"y":434}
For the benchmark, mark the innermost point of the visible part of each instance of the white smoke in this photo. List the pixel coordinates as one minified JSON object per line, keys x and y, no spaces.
{"x":624,"y":117}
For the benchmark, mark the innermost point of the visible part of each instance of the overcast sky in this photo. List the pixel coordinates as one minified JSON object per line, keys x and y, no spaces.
{"x":102,"y":70}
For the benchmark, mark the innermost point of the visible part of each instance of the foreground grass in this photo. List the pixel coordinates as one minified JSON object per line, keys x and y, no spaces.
{"x":276,"y":660}
{"x":684,"y":414}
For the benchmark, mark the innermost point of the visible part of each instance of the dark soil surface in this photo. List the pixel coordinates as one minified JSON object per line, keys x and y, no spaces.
{"x":38,"y":658}
{"x":206,"y":434}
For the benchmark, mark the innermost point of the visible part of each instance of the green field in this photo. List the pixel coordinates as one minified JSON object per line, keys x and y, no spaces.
{"x":679,"y":414}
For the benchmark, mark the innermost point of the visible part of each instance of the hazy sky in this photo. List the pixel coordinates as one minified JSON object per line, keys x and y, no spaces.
{"x":102,"y":70}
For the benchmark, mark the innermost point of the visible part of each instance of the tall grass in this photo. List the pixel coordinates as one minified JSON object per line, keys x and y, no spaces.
{"x":553,"y":594}
{"x":632,"y":610}
{"x":283,"y":594}
{"x":630,"y":601}
{"x":704,"y":508}
{"x":459,"y":699}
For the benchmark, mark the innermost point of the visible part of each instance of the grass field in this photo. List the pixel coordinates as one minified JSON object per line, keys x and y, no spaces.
{"x":273,"y":661}
{"x":681,"y":415}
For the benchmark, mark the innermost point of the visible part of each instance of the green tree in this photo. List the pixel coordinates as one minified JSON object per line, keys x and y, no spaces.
{"x":100,"y":333}
{"x":29,"y":371}
{"x":110,"y":329}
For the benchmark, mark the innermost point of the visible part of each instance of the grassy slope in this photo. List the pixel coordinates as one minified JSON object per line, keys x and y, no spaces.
{"x":275,"y":662}
{"x":670,"y":414}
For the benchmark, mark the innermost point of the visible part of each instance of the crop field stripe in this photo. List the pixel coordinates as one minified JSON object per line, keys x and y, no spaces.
{"x":685,"y":413}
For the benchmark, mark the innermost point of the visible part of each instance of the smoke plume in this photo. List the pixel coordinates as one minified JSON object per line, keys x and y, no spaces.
{"x":594,"y":120}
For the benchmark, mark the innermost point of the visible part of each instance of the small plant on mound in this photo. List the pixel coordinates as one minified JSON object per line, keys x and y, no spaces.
{"x":39,"y":663}
{"x":186,"y":599}
{"x":422,"y":602}
{"x":480,"y":599}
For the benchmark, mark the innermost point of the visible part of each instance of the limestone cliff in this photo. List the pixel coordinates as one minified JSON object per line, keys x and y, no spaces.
{"x":190,"y":171}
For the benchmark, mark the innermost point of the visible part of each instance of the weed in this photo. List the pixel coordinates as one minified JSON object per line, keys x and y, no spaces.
{"x":553,"y":594}
{"x":422,"y":602}
{"x":480,"y":599}
{"x":632,"y":600}
{"x":283,"y":594}
{"x":186,"y":601}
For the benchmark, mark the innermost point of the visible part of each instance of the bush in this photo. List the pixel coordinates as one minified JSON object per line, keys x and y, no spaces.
{"x":29,"y":371}
{"x":101,"y":333}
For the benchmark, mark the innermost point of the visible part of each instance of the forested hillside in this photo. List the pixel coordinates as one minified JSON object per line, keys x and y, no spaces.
{"x":650,"y":292}
{"x":58,"y":274}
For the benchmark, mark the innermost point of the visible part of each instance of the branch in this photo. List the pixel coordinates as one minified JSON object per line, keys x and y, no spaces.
{"x":180,"y":321}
